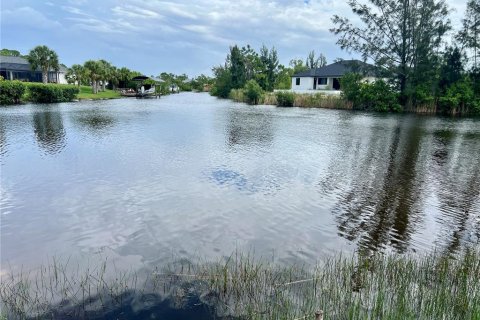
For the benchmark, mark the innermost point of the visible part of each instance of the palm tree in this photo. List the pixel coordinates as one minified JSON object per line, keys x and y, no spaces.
{"x":76,"y":73}
{"x":44,"y":58}
{"x":93,"y":71}
{"x":114,"y":77}
{"x":106,"y":72}
{"x":124,"y":74}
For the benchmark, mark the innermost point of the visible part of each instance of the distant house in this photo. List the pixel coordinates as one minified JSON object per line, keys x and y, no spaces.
{"x":328,"y":77}
{"x":18,"y":68}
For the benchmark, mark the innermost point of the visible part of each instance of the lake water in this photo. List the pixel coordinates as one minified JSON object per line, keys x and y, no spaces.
{"x":193,"y":176}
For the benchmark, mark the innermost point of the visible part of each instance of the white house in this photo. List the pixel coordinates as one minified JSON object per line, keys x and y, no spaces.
{"x":327,"y":78}
{"x":18,"y":68}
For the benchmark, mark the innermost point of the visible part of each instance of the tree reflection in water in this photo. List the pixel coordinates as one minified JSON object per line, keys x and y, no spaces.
{"x":93,"y":121}
{"x":49,"y":131}
{"x":245,"y":128}
{"x":457,"y":177}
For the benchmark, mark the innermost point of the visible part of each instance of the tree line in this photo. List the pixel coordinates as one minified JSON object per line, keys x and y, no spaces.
{"x":101,"y":74}
{"x":246,"y":68}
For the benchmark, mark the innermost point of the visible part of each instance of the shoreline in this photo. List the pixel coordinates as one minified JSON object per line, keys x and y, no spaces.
{"x":240,"y":286}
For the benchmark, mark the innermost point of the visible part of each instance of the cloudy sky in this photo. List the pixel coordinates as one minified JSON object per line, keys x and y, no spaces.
{"x":184,"y":36}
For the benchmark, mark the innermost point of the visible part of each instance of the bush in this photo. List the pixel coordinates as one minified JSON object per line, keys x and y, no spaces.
{"x":351,"y":87}
{"x":49,"y":93}
{"x":253,"y":92}
{"x":11,"y":91}
{"x":377,"y":96}
{"x":285,"y":99}
{"x":459,"y":98}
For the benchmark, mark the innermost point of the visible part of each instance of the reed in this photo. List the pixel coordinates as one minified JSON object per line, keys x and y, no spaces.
{"x":269,"y":98}
{"x":237,"y":95}
{"x":319,"y":100}
{"x":376,"y":286}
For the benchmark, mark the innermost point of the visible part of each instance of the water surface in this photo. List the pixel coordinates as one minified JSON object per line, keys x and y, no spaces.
{"x":191,"y":175}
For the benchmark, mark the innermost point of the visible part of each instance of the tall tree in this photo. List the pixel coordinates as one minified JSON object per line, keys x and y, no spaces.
{"x":237,"y":67}
{"x":223,"y":81}
{"x":252,"y":62}
{"x":269,"y":59}
{"x":44,"y":58}
{"x":76,"y":73}
{"x":313,"y":61}
{"x":124,"y":76}
{"x":106,"y":72}
{"x":94,"y":73}
{"x":452,"y":68}
{"x":469,"y":35}
{"x":297,"y":65}
{"x":399,"y":35}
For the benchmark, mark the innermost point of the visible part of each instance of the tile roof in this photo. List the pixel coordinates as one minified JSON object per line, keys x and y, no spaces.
{"x":338,"y":69}
{"x":19,"y":64}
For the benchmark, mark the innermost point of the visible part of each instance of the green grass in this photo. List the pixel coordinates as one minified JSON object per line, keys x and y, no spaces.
{"x":377,"y":286}
{"x":86,"y":93}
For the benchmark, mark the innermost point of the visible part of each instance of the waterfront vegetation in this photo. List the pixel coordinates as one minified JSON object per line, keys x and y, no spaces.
{"x":417,"y":74}
{"x":432,"y":286}
{"x":291,"y":99}
{"x":16,"y":91}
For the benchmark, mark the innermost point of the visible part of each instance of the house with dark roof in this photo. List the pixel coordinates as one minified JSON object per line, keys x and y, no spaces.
{"x":18,"y":68}
{"x":328,"y":77}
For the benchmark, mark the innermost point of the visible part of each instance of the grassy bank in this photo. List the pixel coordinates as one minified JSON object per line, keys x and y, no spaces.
{"x":292,"y":99}
{"x":86,"y":93}
{"x":343,"y":287}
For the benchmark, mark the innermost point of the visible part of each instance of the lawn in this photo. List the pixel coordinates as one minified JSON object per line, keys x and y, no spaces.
{"x":86,"y":93}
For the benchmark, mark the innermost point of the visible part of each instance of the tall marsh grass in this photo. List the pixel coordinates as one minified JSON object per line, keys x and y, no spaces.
{"x":319,"y":100}
{"x":379,"y":286}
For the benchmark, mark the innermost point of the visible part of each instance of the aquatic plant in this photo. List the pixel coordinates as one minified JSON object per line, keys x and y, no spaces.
{"x":359,"y":286}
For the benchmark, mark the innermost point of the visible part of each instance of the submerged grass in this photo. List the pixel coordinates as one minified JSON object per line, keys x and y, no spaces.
{"x":380,"y":286}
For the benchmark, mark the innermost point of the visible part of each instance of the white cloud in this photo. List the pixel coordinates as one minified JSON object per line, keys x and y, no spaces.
{"x":27,"y":16}
{"x":75,"y":10}
{"x":167,"y":28}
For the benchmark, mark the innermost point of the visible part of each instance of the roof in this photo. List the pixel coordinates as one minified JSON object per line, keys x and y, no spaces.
{"x":20,"y":64}
{"x":142,"y":78}
{"x":338,"y":69}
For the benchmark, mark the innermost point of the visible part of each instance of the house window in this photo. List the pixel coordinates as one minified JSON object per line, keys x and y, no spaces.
{"x":322,"y":81}
{"x":297,"y":81}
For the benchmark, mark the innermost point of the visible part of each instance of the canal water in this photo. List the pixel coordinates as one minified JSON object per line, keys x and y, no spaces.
{"x":192,"y":176}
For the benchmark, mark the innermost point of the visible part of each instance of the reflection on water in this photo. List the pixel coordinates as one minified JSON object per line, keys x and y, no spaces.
{"x":458,"y":181}
{"x":246,"y":126}
{"x":194,"y":175}
{"x":97,"y":122}
{"x":49,"y":130}
{"x":383,"y":202}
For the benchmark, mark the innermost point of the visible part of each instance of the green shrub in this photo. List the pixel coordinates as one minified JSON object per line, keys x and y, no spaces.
{"x":459,"y":98}
{"x":50,"y":93}
{"x":11,"y":91}
{"x":351,"y":88}
{"x":378,"y":96}
{"x":285,"y":99}
{"x":253,"y":92}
